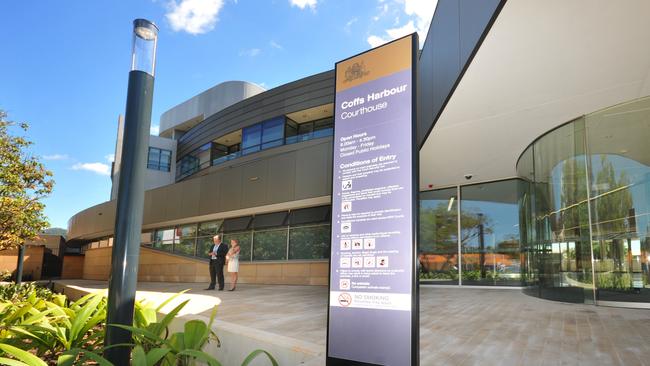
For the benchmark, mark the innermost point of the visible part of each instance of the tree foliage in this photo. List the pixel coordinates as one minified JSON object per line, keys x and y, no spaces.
{"x":24,"y":182}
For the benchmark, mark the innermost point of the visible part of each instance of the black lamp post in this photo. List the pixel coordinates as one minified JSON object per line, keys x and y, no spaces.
{"x":19,"y":264}
{"x":130,"y":196}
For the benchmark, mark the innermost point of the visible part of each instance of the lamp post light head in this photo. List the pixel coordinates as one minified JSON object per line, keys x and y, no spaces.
{"x":143,"y":52}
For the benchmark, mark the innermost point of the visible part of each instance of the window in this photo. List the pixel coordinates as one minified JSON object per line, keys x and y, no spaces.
{"x":269,"y":220}
{"x":323,"y":127}
{"x":187,"y":166}
{"x":204,"y":246}
{"x":164,"y":239}
{"x":310,"y":215}
{"x":263,"y":135}
{"x":302,"y":234}
{"x":305,"y":128}
{"x":290,"y":129}
{"x":159,"y":159}
{"x":438,"y":246}
{"x":219,"y":150}
{"x":209,"y":228}
{"x":236,"y":224}
{"x":273,"y":133}
{"x":489,"y":227}
{"x":309,"y":242}
{"x":146,"y":238}
{"x":244,"y":240}
{"x":252,"y":137}
{"x":222,"y":153}
{"x":194,"y":161}
{"x":312,"y":130}
{"x":270,"y":245}
{"x":185,"y":239}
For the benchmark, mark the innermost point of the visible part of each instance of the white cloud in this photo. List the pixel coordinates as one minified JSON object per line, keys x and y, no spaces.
{"x":422,"y":10}
{"x":383,"y":10}
{"x":193,"y":16}
{"x":407,"y":28}
{"x":98,"y":168}
{"x":375,"y":41}
{"x":275,"y":45}
{"x":110,"y":157}
{"x":348,"y":25}
{"x":419,"y":14}
{"x":154,"y":130}
{"x":251,"y":52}
{"x":55,"y":157}
{"x":304,"y":3}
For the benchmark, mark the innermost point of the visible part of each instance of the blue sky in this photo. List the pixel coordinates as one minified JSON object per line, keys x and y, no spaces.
{"x":64,"y":65}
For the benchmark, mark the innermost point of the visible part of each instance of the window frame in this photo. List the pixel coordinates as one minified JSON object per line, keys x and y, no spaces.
{"x":158,"y":164}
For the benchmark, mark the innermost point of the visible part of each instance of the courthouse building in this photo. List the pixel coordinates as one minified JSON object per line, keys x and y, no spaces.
{"x":533,"y":130}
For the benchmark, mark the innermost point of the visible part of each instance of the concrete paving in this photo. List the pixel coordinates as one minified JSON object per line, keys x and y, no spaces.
{"x":458,"y":326}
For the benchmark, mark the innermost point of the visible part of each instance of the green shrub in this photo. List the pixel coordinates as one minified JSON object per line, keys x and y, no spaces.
{"x":36,"y":325}
{"x":438,"y":275}
{"x":472,"y":275}
{"x":16,"y":293}
{"x":5,"y":276}
{"x":614,"y":281}
{"x":48,"y":328}
{"x":154,"y":346}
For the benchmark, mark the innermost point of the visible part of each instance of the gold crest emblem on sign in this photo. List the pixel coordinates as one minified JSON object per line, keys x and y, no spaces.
{"x":355,"y":71}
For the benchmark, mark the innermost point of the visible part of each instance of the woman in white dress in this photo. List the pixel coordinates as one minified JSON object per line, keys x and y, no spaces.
{"x":233,"y":262}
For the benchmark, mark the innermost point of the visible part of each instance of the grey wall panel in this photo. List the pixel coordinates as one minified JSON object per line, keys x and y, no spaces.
{"x":311,"y":172}
{"x":191,"y":196}
{"x":328,"y":169}
{"x":107,"y":215}
{"x":92,"y":219}
{"x":281,"y":184}
{"x":209,"y":194}
{"x":445,"y":54}
{"x":456,"y":32}
{"x":157,"y":206}
{"x":474,"y":16}
{"x":230,"y":189}
{"x":148,"y":206}
{"x":173,"y":201}
{"x":254,"y":181}
{"x":287,"y":173}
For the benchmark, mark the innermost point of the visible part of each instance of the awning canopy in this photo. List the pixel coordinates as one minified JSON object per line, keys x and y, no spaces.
{"x":543,"y":63}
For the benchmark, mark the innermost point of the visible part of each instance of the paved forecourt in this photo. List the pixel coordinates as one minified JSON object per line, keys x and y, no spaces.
{"x":458,"y":326}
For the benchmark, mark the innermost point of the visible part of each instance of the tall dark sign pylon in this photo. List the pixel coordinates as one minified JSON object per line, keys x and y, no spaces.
{"x":373,"y":287}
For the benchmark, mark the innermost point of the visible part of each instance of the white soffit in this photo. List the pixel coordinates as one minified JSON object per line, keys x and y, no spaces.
{"x":542,"y":64}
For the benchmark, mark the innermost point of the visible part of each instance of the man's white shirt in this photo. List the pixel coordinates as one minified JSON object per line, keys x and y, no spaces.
{"x":214,"y":250}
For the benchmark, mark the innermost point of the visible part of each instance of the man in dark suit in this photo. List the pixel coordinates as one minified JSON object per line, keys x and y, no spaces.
{"x":217,"y":261}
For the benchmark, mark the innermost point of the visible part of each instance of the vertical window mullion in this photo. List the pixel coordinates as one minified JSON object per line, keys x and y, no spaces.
{"x":460,"y":239}
{"x":287,"y":255}
{"x":262,"y":134}
{"x":252,"y":244}
{"x":159,"y":158}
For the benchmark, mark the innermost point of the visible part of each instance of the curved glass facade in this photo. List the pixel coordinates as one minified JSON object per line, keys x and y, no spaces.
{"x":584,"y":208}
